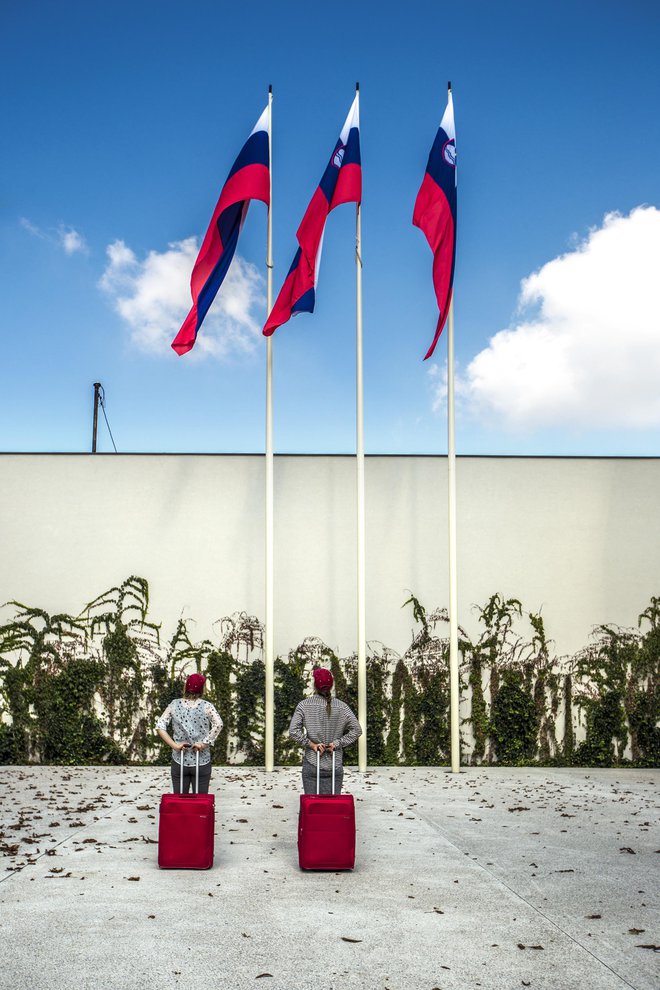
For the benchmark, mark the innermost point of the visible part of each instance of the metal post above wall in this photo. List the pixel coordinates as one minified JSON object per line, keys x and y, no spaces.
{"x":97,"y":390}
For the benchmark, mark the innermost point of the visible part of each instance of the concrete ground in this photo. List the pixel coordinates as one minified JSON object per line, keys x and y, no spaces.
{"x":494,"y":878}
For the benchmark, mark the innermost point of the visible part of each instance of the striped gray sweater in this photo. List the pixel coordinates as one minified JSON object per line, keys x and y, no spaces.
{"x":310,"y":722}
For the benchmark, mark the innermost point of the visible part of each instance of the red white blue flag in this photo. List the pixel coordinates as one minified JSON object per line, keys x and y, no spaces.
{"x":248,"y":179}
{"x":341,"y":183}
{"x":435,"y":214}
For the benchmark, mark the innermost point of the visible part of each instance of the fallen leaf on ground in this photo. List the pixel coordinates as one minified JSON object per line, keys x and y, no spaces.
{"x":345,"y":939}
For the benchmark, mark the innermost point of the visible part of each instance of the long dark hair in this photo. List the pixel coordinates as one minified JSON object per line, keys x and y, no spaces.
{"x":326,"y":693}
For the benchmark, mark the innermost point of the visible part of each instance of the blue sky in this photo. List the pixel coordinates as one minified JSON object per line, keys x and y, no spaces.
{"x":122,"y":120}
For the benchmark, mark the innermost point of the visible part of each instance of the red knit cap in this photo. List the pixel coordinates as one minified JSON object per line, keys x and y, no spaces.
{"x":323,"y":678}
{"x":195,"y":684}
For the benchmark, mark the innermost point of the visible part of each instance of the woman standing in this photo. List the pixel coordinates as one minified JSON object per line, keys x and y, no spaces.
{"x":195,"y":726}
{"x":324,"y":725}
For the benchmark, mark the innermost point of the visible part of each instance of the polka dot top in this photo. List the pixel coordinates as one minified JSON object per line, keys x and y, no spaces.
{"x":193,"y":721}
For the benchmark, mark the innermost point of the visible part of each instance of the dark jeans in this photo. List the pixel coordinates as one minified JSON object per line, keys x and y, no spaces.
{"x":325,"y":781}
{"x":189,"y":778}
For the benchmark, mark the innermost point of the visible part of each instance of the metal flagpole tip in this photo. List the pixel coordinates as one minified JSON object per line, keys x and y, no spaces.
{"x":449,"y":86}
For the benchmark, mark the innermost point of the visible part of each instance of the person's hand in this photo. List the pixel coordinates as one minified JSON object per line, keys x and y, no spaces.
{"x":200,"y":746}
{"x":317,"y":747}
{"x":330,"y":747}
{"x":177,"y":747}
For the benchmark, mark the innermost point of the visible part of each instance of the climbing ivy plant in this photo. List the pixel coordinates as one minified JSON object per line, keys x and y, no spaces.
{"x":121,"y":615}
{"x":90,"y":688}
{"x":618,"y":691}
{"x":423,"y":713}
{"x":48,"y":691}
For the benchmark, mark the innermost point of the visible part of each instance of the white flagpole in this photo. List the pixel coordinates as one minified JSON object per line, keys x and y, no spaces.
{"x":361,"y":571}
{"x":269,"y":714}
{"x":453,"y":577}
{"x":454,"y":688}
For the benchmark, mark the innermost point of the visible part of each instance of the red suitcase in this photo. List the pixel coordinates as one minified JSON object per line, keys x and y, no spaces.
{"x":326,"y":828}
{"x":186,"y":829}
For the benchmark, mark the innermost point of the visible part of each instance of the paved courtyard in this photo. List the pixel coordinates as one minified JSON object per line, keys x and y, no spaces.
{"x":492,"y":878}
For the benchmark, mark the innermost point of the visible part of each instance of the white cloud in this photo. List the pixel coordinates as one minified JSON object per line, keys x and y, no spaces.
{"x":71,"y":240}
{"x":585,"y":351}
{"x":33,"y":229}
{"x":68,"y":238}
{"x":439,"y":379}
{"x":153,"y":297}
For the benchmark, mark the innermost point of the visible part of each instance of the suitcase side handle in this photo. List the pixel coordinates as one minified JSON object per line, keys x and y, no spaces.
{"x":318,"y":772}
{"x":196,"y":772}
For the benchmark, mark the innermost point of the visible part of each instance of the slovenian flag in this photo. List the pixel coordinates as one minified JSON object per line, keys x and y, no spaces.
{"x":341,"y":183}
{"x":435,"y":214}
{"x":248,"y":179}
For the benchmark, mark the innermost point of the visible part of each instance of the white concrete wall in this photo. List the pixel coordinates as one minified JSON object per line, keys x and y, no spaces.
{"x":579,"y":538}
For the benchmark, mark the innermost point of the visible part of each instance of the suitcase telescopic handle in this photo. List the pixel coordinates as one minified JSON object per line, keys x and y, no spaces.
{"x":196,"y":772}
{"x":318,"y":772}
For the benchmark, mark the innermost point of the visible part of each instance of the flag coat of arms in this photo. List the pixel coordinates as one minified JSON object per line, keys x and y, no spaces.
{"x":341,"y":183}
{"x":248,"y":179}
{"x":435,"y":214}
